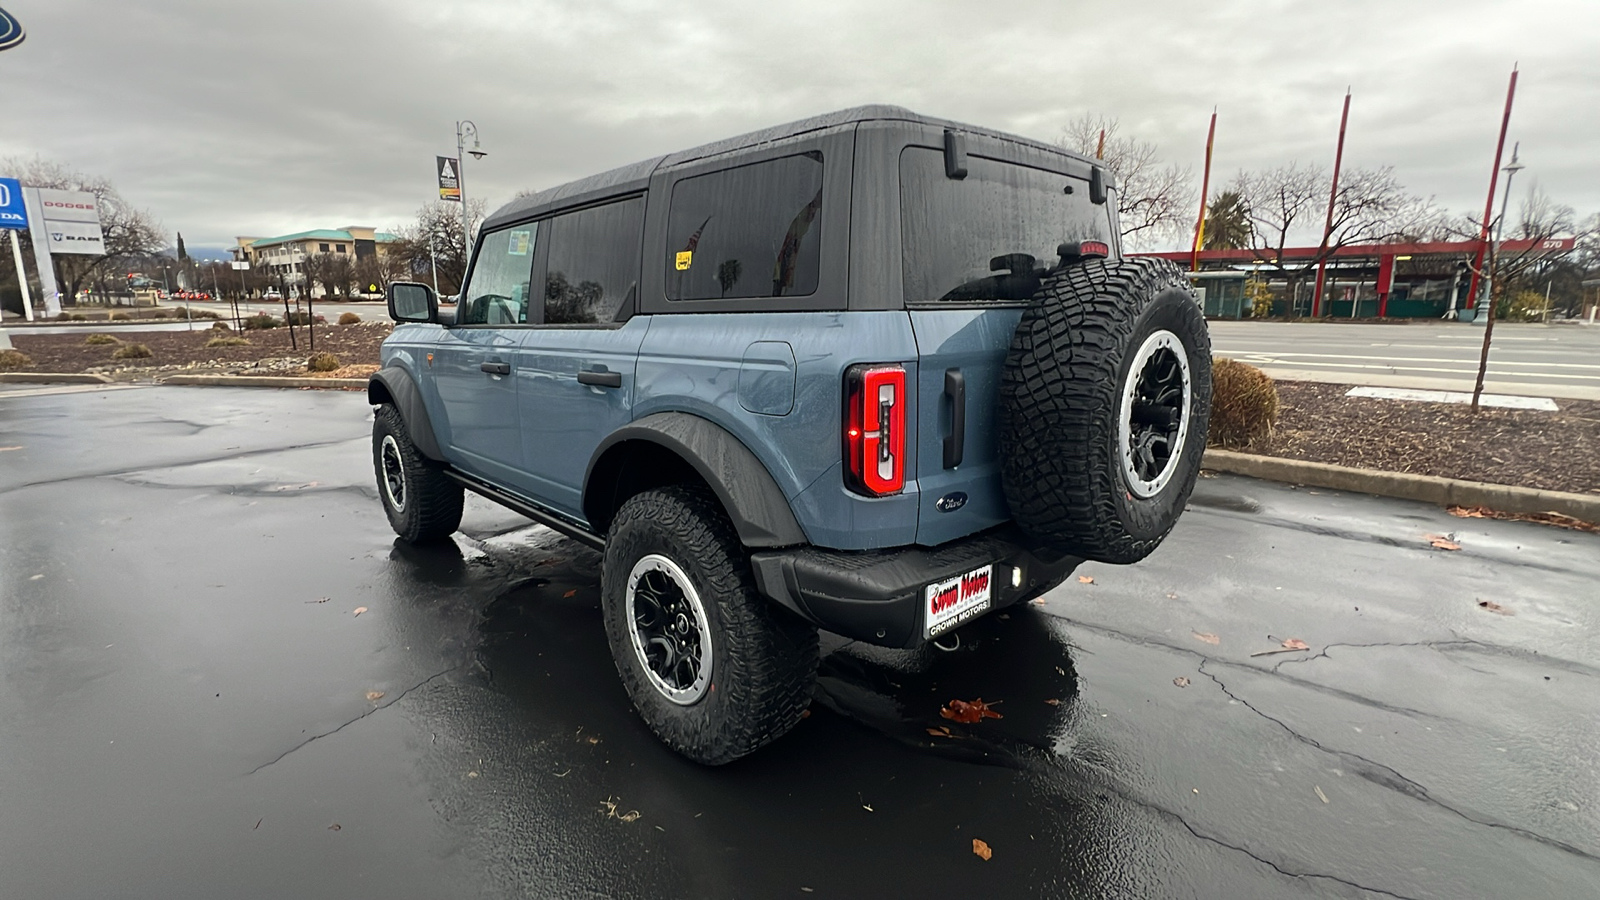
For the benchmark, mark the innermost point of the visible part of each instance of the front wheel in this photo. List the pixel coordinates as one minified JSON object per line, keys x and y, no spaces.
{"x":715,"y":669}
{"x":422,"y":503}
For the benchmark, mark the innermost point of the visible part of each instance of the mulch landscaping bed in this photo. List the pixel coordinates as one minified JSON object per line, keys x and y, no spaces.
{"x":1556,"y":451}
{"x":269,"y":350}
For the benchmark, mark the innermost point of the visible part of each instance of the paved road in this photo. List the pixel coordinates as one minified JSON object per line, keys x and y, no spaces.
{"x":185,"y":712}
{"x":1536,"y":360}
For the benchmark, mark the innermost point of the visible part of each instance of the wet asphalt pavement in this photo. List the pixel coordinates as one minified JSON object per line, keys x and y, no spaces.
{"x":190,"y":707}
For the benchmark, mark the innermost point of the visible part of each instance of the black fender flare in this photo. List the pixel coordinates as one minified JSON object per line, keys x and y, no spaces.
{"x":393,"y":384}
{"x":759,"y":510}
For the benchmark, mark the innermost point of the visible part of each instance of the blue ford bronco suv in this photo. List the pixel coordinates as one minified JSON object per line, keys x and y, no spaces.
{"x":870,"y":372}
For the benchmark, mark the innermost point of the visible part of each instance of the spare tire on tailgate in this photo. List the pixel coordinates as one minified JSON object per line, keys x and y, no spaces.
{"x":1105,"y":400}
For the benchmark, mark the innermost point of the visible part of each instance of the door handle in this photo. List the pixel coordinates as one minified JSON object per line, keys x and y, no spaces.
{"x":496,"y":368}
{"x":955,"y":387}
{"x":601,"y":379}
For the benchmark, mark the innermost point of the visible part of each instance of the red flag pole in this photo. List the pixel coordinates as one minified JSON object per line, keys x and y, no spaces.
{"x":1100,"y":148}
{"x":1333,"y":195}
{"x":1488,"y":206}
{"x":1205,"y":187}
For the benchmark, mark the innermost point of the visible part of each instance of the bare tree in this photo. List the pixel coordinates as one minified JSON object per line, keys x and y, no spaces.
{"x":1154,"y":199}
{"x":435,"y":237}
{"x":1286,"y":205}
{"x":131,"y":235}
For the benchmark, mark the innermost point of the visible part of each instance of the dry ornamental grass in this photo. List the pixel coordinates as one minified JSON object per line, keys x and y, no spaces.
{"x":1244,"y":404}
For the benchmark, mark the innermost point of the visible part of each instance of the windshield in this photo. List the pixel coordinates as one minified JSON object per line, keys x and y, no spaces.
{"x":988,"y":237}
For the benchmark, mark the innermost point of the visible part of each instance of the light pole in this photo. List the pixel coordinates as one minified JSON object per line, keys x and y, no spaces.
{"x":1511,"y":171}
{"x":464,"y":129}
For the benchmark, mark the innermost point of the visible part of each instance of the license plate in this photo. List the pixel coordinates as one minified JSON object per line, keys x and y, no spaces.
{"x":948,"y":604}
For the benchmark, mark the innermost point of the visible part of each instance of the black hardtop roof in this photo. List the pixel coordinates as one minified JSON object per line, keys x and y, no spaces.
{"x":635,"y":176}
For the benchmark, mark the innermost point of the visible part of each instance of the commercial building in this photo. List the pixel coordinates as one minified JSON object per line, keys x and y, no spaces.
{"x":283,"y":257}
{"x":1425,"y":279}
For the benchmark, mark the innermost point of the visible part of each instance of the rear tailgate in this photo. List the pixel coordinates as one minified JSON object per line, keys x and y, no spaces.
{"x":963,"y":350}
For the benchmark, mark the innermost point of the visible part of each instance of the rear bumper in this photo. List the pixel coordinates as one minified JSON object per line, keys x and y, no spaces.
{"x":876,"y":596}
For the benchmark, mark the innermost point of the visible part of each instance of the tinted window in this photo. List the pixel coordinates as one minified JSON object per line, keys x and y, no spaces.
{"x":987,"y":237}
{"x":752,"y":231}
{"x":594,"y":263}
{"x":497,"y":291}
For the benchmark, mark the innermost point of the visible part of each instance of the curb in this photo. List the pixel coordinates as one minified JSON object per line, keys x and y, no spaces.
{"x":1405,"y":486}
{"x":272,"y":381}
{"x":54,"y":378}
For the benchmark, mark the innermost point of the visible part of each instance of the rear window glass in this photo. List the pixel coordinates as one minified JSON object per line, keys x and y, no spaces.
{"x":594,"y":263}
{"x":752,"y":231}
{"x":988,"y":237}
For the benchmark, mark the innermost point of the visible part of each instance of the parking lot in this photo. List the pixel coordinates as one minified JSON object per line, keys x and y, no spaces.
{"x":223,"y":677}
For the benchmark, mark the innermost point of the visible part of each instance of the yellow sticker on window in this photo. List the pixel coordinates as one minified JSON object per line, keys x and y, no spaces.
{"x":684,"y":258}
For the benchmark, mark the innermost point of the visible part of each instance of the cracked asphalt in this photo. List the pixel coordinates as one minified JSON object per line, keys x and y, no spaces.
{"x":190,"y":705}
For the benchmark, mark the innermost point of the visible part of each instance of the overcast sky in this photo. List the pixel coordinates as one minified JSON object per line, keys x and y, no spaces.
{"x":225,"y":118}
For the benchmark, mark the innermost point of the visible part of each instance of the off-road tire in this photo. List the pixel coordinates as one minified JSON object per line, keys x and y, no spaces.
{"x":429,"y":507}
{"x":1062,"y":396}
{"x":763,"y":658}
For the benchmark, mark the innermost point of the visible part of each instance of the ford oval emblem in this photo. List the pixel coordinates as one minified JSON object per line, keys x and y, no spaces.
{"x":951,"y":502}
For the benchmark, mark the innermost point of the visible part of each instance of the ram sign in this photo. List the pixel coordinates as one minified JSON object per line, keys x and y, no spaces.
{"x":71,"y":222}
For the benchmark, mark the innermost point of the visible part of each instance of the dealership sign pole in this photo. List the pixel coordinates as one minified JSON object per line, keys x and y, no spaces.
{"x":66,"y":222}
{"x":14,"y":218}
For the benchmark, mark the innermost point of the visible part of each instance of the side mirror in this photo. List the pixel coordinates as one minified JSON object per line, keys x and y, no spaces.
{"x":412,"y":302}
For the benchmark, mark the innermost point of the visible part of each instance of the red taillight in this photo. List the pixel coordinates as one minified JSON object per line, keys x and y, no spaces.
{"x":875,"y":429}
{"x":1094,"y":248}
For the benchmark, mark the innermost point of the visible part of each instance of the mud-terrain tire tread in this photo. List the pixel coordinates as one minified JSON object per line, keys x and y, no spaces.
{"x":434,"y":502}
{"x":1058,"y":413}
{"x":764,"y":661}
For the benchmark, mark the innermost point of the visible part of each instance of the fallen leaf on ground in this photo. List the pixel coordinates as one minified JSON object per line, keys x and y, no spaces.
{"x":1181,"y":681}
{"x":1494,"y":607}
{"x":969,"y":712}
{"x":943,"y":732}
{"x":360,"y":610}
{"x":1543,"y":518}
{"x":1053,"y":702}
{"x":1320,"y":795}
{"x":1038,"y":600}
{"x":594,"y":740}
{"x":570,"y":593}
{"x":374,"y":696}
{"x":981,"y":849}
{"x":1441,"y":541}
{"x":1207,"y":636}
{"x":334,"y":827}
{"x":1290,"y":645}
{"x":1086,"y":579}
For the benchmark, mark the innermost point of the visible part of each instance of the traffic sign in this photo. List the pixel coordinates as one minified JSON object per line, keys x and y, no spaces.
{"x":13,"y":214}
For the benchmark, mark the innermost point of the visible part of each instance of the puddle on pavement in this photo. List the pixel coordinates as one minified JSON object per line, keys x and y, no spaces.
{"x":1230,"y":502}
{"x":545,"y":623}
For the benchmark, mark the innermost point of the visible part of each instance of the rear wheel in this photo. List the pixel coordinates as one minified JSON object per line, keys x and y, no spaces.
{"x":715,"y":669}
{"x":421,"y":502}
{"x":1105,"y":401}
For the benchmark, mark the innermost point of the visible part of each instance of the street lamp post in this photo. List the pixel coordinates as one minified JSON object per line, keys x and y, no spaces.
{"x":1511,"y":171}
{"x":465,"y":129}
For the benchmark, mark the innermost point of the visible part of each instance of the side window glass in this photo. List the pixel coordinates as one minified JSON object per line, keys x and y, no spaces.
{"x":593,"y":267}
{"x":497,"y":290}
{"x":751,"y":231}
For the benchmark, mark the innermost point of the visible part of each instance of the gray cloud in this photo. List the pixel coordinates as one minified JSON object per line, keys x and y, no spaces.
{"x":226,"y":118}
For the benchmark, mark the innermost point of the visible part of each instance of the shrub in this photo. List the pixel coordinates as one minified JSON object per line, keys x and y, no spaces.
{"x":322,"y":362}
{"x":97,"y":339}
{"x":301,"y":317}
{"x":160,"y":313}
{"x":349,"y":319}
{"x":132,"y":351}
{"x":1244,"y":404}
{"x":221,"y":326}
{"x":227,"y":340}
{"x":115,"y":317}
{"x":71,"y":317}
{"x":203,"y":314}
{"x":14,"y":359}
{"x":255,"y":323}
